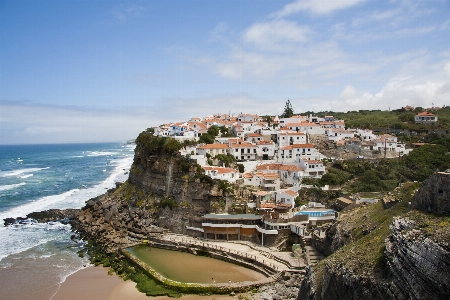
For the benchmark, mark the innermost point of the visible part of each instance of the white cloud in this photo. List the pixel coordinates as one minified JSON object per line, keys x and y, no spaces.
{"x":124,"y":12}
{"x":275,"y":33}
{"x":348,"y":92}
{"x":315,"y":7}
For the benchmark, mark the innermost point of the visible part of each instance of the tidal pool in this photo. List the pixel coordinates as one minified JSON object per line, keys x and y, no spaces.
{"x":189,"y":268}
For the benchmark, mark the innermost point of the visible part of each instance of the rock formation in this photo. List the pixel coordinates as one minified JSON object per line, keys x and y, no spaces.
{"x":413,"y":260}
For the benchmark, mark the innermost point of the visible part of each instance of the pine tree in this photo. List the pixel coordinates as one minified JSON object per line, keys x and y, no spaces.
{"x":288,"y":110}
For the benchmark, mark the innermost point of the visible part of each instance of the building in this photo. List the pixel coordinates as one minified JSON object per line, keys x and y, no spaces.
{"x":286,"y":196}
{"x":212,"y":149}
{"x":228,"y":174}
{"x":425,"y":117}
{"x":234,"y":227}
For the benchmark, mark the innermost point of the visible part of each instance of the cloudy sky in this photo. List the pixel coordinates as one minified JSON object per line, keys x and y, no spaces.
{"x":83,"y":71}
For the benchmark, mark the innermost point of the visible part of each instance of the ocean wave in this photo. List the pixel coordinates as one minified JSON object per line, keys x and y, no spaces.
{"x":101,"y":153}
{"x":26,"y":176}
{"x":74,"y":198}
{"x":18,"y":172}
{"x":10,"y":186}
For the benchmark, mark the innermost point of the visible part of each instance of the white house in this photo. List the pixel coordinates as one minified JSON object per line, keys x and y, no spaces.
{"x":365,"y":134}
{"x":266,"y":181}
{"x":313,"y":168}
{"x":337,"y":134}
{"x":286,"y":196}
{"x":289,"y":174}
{"x":227,"y":174}
{"x":425,"y":117}
{"x":290,"y":138}
{"x":243,"y":151}
{"x":212,"y":149}
{"x":253,"y":137}
{"x":248,"y":118}
{"x":265,"y":150}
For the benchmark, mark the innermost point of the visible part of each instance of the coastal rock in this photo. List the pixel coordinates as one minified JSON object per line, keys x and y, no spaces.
{"x":55,"y":215}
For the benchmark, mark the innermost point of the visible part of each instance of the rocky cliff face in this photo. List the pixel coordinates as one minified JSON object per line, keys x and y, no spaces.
{"x":434,"y":195}
{"x":377,"y":253}
{"x":164,"y":191}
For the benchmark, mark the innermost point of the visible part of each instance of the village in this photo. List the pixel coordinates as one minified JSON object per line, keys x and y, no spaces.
{"x":274,"y":156}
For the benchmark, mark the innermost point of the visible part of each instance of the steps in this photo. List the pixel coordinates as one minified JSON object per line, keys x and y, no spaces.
{"x":312,"y":255}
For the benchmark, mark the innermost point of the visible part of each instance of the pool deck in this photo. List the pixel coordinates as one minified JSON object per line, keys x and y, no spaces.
{"x":279,"y":261}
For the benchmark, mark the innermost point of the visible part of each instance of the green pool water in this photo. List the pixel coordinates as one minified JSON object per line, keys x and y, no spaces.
{"x":186,"y":267}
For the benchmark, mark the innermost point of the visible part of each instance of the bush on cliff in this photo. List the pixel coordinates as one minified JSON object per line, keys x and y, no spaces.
{"x":156,"y":145}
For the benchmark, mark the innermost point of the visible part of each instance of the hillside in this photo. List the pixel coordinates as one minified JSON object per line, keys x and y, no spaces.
{"x":387,"y":253}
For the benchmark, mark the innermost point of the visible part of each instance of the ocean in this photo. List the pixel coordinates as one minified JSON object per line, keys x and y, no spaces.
{"x":41,"y":177}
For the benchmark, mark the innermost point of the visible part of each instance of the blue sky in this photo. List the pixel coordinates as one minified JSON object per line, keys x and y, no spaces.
{"x":83,"y":71}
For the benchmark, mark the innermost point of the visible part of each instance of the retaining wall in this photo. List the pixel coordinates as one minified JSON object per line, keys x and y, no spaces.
{"x":196,"y":288}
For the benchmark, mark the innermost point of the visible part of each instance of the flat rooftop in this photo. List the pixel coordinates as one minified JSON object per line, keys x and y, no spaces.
{"x":232,"y":217}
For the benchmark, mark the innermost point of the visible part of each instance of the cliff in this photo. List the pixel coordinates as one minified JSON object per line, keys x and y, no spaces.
{"x":378,"y":253}
{"x":164,"y":191}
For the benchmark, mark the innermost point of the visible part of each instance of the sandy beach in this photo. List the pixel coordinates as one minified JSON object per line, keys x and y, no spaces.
{"x":94,"y":283}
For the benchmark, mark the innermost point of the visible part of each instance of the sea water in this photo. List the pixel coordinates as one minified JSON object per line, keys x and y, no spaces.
{"x":40,"y":177}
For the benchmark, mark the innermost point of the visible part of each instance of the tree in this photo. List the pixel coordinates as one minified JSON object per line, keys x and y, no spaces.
{"x":288,"y":110}
{"x":267,"y":119}
{"x":213,"y":131}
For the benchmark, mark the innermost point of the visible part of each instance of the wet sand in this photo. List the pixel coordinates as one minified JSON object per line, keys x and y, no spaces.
{"x":94,"y":283}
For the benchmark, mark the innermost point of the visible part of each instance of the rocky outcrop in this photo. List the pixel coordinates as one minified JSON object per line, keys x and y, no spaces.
{"x":414,"y":251}
{"x":56,"y":215}
{"x":434,"y":194}
{"x":420,"y":266}
{"x":336,"y":236}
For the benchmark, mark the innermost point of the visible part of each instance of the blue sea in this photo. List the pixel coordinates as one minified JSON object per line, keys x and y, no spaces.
{"x":41,"y":177}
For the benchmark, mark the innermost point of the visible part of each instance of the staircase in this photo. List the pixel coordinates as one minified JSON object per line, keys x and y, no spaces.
{"x":312,"y":255}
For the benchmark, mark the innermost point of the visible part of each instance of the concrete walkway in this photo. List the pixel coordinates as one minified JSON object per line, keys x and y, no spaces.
{"x":280,"y":261}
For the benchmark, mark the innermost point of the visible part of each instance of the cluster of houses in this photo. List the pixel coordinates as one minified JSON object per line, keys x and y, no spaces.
{"x":277,"y":154}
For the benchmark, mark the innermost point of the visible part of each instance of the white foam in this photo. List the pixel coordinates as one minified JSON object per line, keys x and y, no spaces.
{"x":26,"y":176}
{"x":30,"y":236}
{"x":10,"y":186}
{"x":101,"y":153}
{"x":36,"y":205}
{"x":18,"y":172}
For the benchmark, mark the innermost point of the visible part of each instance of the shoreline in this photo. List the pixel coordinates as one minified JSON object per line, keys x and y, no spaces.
{"x":93,"y":283}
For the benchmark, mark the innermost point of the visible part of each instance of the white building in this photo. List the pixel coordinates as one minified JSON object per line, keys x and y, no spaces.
{"x":243,"y":151}
{"x":265,"y":150}
{"x":337,"y":134}
{"x":425,"y":117}
{"x":313,"y":168}
{"x":212,"y":149}
{"x":221,"y":173}
{"x":286,"y":196}
{"x":290,"y":138}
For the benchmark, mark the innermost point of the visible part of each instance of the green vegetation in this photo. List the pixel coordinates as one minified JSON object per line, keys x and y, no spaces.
{"x":288,"y":110}
{"x":385,"y":174}
{"x":168,"y":202}
{"x":155,"y":145}
{"x":225,"y":132}
{"x":208,"y":138}
{"x":225,"y":159}
{"x":127,"y":271}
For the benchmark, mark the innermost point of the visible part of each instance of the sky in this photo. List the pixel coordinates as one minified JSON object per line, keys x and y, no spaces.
{"x":94,"y":71}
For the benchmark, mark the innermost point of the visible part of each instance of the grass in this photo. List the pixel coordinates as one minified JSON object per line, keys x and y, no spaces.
{"x":368,"y":228}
